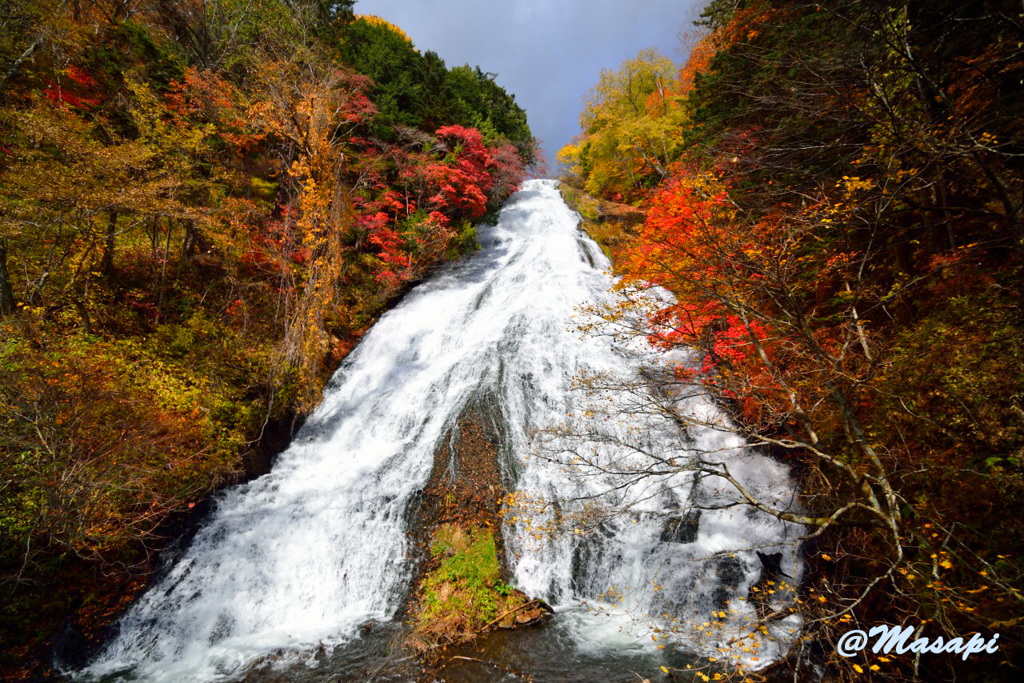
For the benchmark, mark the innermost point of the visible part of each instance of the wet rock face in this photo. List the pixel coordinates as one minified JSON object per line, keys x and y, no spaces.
{"x":730,"y":571}
{"x":461,"y":590}
{"x":681,"y":529}
{"x":466,"y":481}
{"x":731,"y":574}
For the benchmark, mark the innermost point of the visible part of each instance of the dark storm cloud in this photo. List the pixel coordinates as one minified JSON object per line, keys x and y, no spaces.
{"x":547,"y":52}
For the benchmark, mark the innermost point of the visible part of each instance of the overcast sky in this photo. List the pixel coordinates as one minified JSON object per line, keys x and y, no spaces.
{"x":548,"y":53}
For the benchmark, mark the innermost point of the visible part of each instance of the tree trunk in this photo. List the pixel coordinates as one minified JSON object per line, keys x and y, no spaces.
{"x":13,"y":70}
{"x":6,"y":292}
{"x":83,"y":315}
{"x":107,"y":265}
{"x":163,"y":271}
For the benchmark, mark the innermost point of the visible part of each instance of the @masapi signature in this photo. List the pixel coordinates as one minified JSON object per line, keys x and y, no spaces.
{"x":898,"y":639}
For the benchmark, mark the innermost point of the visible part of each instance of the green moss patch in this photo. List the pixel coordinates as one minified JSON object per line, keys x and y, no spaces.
{"x":463,"y":593}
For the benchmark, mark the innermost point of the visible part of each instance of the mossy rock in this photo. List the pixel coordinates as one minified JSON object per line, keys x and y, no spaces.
{"x":463,"y":594}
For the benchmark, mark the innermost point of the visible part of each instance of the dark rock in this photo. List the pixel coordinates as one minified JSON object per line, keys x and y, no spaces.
{"x":761,"y":591}
{"x":730,"y":571}
{"x":70,"y":648}
{"x":720,"y":598}
{"x":681,"y":529}
{"x":771,"y":566}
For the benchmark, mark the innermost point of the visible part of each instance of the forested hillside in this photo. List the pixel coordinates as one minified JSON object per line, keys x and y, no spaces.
{"x":202,"y":207}
{"x":835,"y":194}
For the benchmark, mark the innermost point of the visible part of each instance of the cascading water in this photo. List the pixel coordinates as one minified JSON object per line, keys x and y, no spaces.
{"x":298,"y":559}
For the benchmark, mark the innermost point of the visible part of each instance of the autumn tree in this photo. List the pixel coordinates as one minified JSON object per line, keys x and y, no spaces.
{"x":62,"y":191}
{"x":629,"y":125}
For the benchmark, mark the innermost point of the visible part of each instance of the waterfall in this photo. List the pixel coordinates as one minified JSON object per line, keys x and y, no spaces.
{"x":298,"y":559}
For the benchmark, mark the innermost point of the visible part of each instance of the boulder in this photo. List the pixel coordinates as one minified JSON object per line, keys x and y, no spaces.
{"x":681,"y":529}
{"x":534,"y":613}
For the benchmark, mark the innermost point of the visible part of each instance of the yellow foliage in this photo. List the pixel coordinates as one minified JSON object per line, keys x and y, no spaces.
{"x":374,"y":20}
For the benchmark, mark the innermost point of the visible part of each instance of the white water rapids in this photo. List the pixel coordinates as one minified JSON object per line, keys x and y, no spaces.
{"x":302,"y":556}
